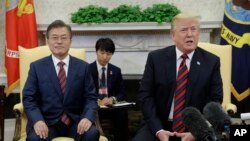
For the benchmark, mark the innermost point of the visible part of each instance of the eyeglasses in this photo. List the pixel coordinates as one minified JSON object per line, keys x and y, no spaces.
{"x":58,"y":38}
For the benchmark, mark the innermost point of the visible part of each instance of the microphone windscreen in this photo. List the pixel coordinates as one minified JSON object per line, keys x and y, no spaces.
{"x":195,"y":123}
{"x":245,"y":116}
{"x":215,"y":114}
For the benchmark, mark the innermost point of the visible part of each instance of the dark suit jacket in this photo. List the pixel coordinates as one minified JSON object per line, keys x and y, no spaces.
{"x":115,"y":81}
{"x":42,"y":97}
{"x":159,"y":80}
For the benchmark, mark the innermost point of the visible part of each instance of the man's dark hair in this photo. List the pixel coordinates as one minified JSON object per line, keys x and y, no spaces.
{"x":57,"y":24}
{"x":105,"y":44}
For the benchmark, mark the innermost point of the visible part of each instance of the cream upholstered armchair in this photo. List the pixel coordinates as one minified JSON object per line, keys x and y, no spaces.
{"x":225,"y":54}
{"x":26,"y":56}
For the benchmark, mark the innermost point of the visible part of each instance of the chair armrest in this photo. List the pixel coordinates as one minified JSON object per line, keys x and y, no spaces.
{"x":230,"y":108}
{"x":18,"y":108}
{"x":103,"y":138}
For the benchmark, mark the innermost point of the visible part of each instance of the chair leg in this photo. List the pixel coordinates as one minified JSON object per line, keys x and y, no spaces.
{"x":17,"y":132}
{"x":2,"y":112}
{"x":98,"y":125}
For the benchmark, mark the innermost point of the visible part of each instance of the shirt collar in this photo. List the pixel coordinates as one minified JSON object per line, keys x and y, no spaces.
{"x":65,"y":60}
{"x":179,"y":53}
{"x":99,"y":67}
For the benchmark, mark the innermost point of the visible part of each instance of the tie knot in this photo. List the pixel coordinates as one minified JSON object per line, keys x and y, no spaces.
{"x":61,"y":64}
{"x":184,"y":56}
{"x":103,"y":68}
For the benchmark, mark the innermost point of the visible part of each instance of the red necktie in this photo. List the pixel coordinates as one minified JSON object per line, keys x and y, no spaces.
{"x":62,"y":77}
{"x":62,"y":80}
{"x":180,"y":92}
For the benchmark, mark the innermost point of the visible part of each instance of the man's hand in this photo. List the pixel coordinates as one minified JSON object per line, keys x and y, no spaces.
{"x":83,"y":126}
{"x":187,"y":136}
{"x":41,"y":129}
{"x":105,"y":101}
{"x":164,"y":135}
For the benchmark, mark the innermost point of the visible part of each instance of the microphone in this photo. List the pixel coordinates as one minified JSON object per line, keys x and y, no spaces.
{"x":215,"y":114}
{"x":195,"y":123}
{"x":245,"y":116}
{"x":219,"y":119}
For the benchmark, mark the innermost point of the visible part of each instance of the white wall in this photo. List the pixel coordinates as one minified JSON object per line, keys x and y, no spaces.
{"x":48,"y":10}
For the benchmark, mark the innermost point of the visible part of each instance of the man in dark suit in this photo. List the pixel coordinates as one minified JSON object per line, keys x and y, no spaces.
{"x":111,"y":88}
{"x":159,"y":84}
{"x":60,"y":100}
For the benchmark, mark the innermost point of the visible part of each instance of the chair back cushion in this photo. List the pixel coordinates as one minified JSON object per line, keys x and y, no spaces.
{"x":225,"y":54}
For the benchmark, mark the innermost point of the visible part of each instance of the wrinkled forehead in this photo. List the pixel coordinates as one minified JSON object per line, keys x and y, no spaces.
{"x":184,"y":23}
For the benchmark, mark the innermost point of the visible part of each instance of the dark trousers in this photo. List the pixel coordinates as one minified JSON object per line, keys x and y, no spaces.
{"x":60,"y":129}
{"x":119,"y":121}
{"x":145,"y":134}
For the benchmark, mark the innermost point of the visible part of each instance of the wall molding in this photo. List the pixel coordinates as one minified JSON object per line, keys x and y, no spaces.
{"x":129,"y":26}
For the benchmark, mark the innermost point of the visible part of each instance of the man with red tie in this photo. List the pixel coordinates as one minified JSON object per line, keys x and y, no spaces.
{"x":59,"y":95}
{"x":176,"y":77}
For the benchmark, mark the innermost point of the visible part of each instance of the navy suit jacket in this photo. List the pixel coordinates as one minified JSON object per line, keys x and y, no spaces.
{"x":159,"y":80}
{"x":114,"y":81}
{"x":43,"y":99}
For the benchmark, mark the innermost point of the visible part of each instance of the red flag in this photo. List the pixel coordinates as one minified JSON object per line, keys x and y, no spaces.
{"x":20,"y":30}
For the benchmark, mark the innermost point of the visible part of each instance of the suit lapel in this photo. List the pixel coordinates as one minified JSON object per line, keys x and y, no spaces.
{"x":109,"y":76}
{"x":72,"y":71}
{"x":95,"y":75}
{"x":171,"y":68}
{"x":194,"y":72}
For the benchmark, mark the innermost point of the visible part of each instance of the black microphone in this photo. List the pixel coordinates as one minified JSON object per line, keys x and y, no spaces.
{"x":195,"y":123}
{"x":215,"y":114}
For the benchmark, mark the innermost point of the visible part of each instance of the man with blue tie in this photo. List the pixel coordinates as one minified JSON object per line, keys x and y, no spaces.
{"x":59,"y":95}
{"x":176,"y":77}
{"x":110,"y":87}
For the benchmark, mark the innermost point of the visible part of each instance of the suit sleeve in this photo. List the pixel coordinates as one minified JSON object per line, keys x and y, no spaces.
{"x":30,"y":94}
{"x":146,"y":97}
{"x":90,"y":100}
{"x":216,"y":83}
